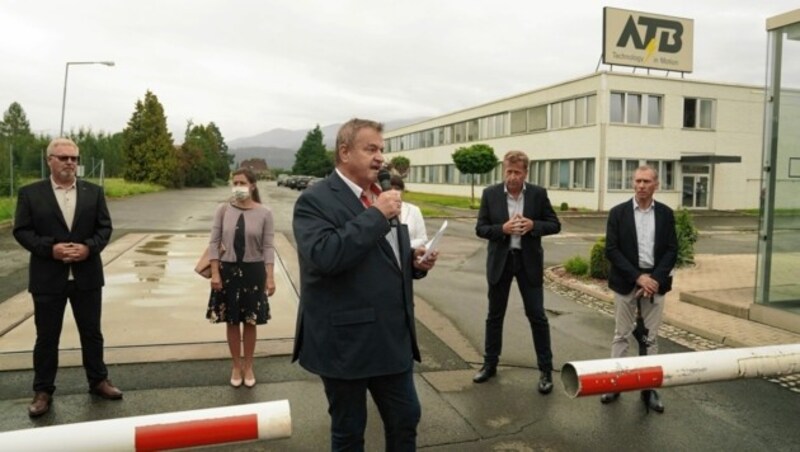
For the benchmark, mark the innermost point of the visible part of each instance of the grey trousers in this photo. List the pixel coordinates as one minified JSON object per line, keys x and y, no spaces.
{"x":625,"y":322}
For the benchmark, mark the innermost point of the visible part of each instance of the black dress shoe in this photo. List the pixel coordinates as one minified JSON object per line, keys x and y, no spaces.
{"x":545,"y":383}
{"x":485,"y":373}
{"x":40,"y":404}
{"x":106,"y":390}
{"x":609,"y":397}
{"x":652,"y":401}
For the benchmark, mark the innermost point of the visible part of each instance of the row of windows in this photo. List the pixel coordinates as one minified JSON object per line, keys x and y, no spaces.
{"x":568,"y":113}
{"x":633,"y":108}
{"x":562,"y":174}
{"x":462,"y":132}
{"x":646,"y":109}
{"x":620,"y":173}
{"x":625,"y":108}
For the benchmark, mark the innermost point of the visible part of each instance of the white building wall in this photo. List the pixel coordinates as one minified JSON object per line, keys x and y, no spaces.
{"x":737,"y":132}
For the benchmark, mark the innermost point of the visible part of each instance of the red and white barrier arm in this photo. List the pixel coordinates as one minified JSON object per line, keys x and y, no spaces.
{"x":585,"y":378}
{"x":212,"y":426}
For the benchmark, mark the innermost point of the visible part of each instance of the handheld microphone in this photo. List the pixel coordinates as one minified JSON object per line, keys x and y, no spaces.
{"x":385,"y":181}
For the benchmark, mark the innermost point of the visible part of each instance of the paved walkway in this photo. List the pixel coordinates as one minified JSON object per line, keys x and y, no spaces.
{"x":152,"y":271}
{"x":711,"y":299}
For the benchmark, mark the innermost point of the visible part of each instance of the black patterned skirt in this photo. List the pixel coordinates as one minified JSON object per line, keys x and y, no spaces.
{"x":242,"y":298}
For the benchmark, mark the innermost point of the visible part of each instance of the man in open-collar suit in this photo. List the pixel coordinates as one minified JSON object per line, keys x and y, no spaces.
{"x":642,"y":248}
{"x":513,"y":217}
{"x":355,"y":322}
{"x":64,"y":223}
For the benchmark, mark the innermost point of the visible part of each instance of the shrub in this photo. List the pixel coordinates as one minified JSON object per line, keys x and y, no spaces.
{"x":598,"y":264}
{"x":687,"y":236}
{"x":564,"y":206}
{"x":577,"y":266}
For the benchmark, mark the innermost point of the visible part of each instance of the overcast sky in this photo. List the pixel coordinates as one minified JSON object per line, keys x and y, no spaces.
{"x":251,"y":66}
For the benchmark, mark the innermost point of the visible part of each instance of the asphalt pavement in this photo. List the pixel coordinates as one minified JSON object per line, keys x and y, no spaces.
{"x":167,"y":358}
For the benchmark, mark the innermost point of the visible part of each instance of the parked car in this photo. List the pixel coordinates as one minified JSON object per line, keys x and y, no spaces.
{"x":302,"y":182}
{"x":313,"y":181}
{"x":282,"y":179}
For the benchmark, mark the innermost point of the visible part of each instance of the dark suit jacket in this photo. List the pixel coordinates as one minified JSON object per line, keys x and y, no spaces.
{"x":39,"y":224}
{"x":356,"y":313}
{"x":622,"y":248}
{"x":494,"y":212}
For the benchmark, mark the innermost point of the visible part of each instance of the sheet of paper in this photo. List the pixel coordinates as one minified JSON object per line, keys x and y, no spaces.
{"x":433,"y":244}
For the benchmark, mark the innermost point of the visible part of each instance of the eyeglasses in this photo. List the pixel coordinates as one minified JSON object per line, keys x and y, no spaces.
{"x":66,"y":158}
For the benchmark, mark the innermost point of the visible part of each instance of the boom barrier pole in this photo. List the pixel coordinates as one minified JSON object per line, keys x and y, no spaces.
{"x":585,"y":378}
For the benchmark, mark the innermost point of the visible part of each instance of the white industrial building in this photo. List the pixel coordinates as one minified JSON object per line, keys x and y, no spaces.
{"x":584,"y":138}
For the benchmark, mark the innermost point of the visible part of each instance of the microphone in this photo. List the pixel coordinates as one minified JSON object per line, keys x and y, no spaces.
{"x":385,"y":181}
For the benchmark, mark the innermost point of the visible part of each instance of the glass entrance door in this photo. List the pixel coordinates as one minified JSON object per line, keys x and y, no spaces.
{"x":695,"y":192}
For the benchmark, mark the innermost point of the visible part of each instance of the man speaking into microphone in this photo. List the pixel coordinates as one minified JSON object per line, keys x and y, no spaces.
{"x":355,"y":321}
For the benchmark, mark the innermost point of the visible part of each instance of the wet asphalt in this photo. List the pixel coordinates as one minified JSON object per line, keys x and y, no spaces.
{"x":503,"y":414}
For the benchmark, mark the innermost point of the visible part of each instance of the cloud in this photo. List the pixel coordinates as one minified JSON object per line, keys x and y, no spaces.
{"x":251,"y":66}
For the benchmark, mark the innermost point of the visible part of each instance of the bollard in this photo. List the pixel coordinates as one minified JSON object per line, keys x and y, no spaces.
{"x":183,"y":429}
{"x":584,"y":378}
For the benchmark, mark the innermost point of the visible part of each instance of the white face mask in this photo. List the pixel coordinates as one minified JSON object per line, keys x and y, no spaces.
{"x":240,"y":193}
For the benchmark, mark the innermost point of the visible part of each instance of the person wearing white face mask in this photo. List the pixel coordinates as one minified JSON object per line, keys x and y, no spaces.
{"x":242,"y":254}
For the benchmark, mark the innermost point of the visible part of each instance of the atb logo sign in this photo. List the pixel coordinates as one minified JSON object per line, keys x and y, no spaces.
{"x":647,"y":40}
{"x":669,"y":31}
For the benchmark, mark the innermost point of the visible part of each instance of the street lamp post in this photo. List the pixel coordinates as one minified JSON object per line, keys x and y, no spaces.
{"x":66,"y":75}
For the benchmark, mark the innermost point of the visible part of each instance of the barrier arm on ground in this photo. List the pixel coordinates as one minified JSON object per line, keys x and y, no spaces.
{"x":183,"y":429}
{"x":585,"y":378}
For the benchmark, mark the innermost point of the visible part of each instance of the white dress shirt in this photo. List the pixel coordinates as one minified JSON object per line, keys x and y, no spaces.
{"x":412,"y":216}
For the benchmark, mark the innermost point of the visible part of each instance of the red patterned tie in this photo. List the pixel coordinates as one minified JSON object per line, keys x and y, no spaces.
{"x":365,"y":200}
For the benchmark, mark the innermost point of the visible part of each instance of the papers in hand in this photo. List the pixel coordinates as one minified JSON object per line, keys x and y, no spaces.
{"x":433,"y":244}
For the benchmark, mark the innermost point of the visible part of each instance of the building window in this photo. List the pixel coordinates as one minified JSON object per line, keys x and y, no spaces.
{"x":449,"y":176}
{"x":632,"y":108}
{"x":617,"y":107}
{"x":500,"y":125}
{"x":580,"y":111}
{"x":591,"y":109}
{"x":533,"y":172}
{"x":537,"y":118}
{"x":653,"y":110}
{"x":568,"y":113}
{"x":620,"y":173}
{"x":555,"y":116}
{"x":615,"y":174}
{"x":472,"y":130}
{"x":460,"y":132}
{"x":579,"y":174}
{"x":698,"y":113}
{"x":554,"y":165}
{"x":559,"y":174}
{"x":519,"y":121}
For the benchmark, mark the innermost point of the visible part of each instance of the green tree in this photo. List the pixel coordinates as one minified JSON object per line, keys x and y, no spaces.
{"x":400,"y":164}
{"x":223,"y":160}
{"x":198,"y":156}
{"x":312,"y":158}
{"x":16,"y":138}
{"x":99,"y":152}
{"x":476,"y":159}
{"x":150,"y":155}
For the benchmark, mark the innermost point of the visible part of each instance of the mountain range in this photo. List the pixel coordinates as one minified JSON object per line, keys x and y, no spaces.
{"x":278,"y":146}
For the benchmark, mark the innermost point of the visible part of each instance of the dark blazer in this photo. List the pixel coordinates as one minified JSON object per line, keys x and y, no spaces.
{"x":622,"y":248}
{"x":39,"y":224}
{"x":493,"y":214}
{"x":356,"y":313}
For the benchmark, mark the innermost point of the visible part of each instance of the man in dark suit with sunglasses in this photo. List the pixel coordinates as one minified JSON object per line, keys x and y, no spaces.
{"x":65,"y":224}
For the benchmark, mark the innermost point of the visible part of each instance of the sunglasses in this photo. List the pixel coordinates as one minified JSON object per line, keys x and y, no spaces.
{"x":65,"y":158}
